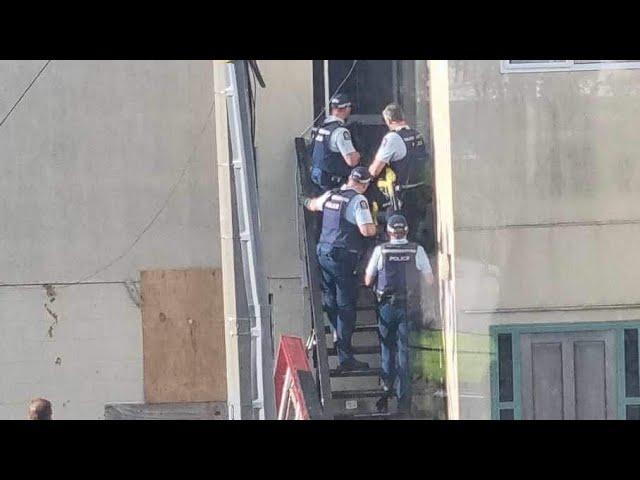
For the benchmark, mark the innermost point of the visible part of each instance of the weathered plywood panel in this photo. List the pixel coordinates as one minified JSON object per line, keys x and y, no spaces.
{"x":166,"y":411}
{"x":183,"y":336}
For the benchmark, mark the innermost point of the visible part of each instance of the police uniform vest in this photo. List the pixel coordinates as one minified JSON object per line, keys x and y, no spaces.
{"x":411,"y":169}
{"x":323,"y":158}
{"x":337,"y":231}
{"x":399,"y":276}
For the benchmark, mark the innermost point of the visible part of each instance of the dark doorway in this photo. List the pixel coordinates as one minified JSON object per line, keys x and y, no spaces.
{"x":372,"y":84}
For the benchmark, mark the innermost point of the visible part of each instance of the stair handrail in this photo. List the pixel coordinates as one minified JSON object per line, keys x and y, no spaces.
{"x":312,"y":275}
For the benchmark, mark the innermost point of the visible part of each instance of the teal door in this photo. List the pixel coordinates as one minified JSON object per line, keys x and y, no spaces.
{"x":568,"y":376}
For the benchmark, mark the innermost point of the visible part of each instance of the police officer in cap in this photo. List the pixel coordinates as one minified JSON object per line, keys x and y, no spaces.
{"x":404,"y":151}
{"x":346,"y":221}
{"x":333,"y":152}
{"x":399,"y":266}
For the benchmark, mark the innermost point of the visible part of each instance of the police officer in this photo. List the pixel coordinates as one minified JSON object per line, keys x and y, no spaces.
{"x":398,"y":266}
{"x":404,"y":151}
{"x":346,"y":221}
{"x":333,"y":152}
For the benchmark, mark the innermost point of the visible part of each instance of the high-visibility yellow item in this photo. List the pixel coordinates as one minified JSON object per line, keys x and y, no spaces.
{"x":386,"y":183}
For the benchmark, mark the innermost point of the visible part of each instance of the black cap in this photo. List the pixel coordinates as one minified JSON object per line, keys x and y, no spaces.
{"x":397,"y":224}
{"x":361,"y":175}
{"x":340,"y":100}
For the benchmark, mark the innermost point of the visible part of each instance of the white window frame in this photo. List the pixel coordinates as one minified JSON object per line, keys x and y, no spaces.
{"x":564,"y":66}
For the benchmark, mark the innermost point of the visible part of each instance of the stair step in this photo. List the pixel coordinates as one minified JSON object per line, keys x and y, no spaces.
{"x":367,"y":372}
{"x":367,"y":416}
{"x":372,"y":349}
{"x":346,"y":394}
{"x":359,"y":328}
{"x":366,"y":308}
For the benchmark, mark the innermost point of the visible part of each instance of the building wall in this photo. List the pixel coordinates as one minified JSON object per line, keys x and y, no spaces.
{"x":283,"y":110}
{"x":545,"y":183}
{"x":89,"y":356}
{"x":88,"y":158}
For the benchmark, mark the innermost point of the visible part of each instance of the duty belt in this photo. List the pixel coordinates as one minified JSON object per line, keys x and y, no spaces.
{"x":391,"y":298}
{"x":329,"y":246}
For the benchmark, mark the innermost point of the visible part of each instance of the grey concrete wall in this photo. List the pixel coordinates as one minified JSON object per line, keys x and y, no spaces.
{"x":88,"y":158}
{"x":283,"y":110}
{"x":545,"y":196}
{"x":91,"y":355}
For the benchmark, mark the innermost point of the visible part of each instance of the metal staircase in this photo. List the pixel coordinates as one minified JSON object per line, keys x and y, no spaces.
{"x":343,"y":395}
{"x":355,"y":393}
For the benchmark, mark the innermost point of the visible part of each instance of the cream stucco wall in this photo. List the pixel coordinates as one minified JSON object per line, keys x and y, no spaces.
{"x":545,"y":196}
{"x":88,"y":158}
{"x":283,"y":110}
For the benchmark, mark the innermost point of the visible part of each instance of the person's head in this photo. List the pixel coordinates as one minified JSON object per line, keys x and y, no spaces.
{"x":393,"y":115}
{"x":340,"y":106}
{"x":359,"y":179}
{"x":40,"y":409}
{"x":397,"y":226}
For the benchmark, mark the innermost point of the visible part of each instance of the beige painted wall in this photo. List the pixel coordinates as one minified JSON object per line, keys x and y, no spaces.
{"x":284,"y":110}
{"x":91,"y":356}
{"x":560,"y":146}
{"x":532,"y":150}
{"x":537,"y":149}
{"x":88,"y":158}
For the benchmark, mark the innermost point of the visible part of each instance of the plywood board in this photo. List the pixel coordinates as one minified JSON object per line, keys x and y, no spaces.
{"x":183,"y":336}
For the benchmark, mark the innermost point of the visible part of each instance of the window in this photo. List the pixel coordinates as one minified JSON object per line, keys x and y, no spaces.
{"x":505,"y":405}
{"x":524,"y":66}
{"x":505,"y":368}
{"x":632,"y":374}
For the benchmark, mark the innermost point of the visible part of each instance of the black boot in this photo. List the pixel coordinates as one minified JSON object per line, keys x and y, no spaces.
{"x":382,"y":405}
{"x":352,"y":364}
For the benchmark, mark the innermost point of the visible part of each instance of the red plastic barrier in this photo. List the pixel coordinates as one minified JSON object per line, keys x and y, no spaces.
{"x":292,"y":365}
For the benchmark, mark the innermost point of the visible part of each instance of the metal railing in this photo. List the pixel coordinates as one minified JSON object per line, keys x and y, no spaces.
{"x":309,"y":233}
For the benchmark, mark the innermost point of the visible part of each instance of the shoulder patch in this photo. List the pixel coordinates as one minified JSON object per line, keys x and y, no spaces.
{"x":346,"y":135}
{"x":364,"y":204}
